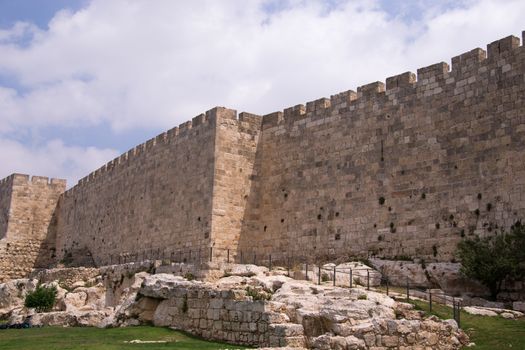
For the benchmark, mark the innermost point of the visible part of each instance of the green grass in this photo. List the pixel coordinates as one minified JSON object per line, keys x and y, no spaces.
{"x":488,"y":333}
{"x":58,"y":338}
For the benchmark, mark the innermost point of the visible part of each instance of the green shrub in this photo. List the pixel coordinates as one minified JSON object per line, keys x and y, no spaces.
{"x":491,"y":260}
{"x":258,"y":295}
{"x":42,"y":298}
{"x":189,"y":276}
{"x":362,"y":297}
{"x":325,"y":277}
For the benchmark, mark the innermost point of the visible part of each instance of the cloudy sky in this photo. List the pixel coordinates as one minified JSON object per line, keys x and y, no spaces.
{"x":82,"y":81}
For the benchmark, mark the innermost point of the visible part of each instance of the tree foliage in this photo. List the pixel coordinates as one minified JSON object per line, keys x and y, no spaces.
{"x":42,"y":298}
{"x":491,"y":260}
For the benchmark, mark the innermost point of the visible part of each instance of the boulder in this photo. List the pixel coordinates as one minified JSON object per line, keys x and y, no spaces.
{"x":246,"y":270}
{"x":162,"y":286}
{"x":13,"y":293}
{"x":519,"y":306}
{"x":474,"y":310}
{"x":75,"y":300}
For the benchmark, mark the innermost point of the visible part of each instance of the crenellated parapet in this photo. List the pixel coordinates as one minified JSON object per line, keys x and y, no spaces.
{"x":428,"y":81}
{"x":171,"y":137}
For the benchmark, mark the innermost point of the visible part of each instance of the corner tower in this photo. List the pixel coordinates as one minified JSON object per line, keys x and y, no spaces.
{"x":27,"y":223}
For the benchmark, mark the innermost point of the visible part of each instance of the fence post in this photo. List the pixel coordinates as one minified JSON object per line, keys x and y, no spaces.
{"x":228,"y":256}
{"x":319,"y":275}
{"x":351,"y":279}
{"x":334,"y":275}
{"x":387,"y":291}
{"x":288,"y":265}
{"x":254,"y":257}
{"x":307,"y":271}
{"x":453,"y":309}
{"x":242,"y":257}
{"x":367,"y":279}
{"x":408,"y":291}
{"x":459,"y":314}
{"x":211,"y":254}
{"x":430,"y":300}
{"x":270,"y":263}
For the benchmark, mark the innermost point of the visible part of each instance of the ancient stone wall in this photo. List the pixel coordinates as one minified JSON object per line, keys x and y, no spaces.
{"x":6,"y":187}
{"x":405,"y":169}
{"x":149,"y":202}
{"x":402,"y":169}
{"x":174,"y":196}
{"x":28,"y":224}
{"x":236,"y":146}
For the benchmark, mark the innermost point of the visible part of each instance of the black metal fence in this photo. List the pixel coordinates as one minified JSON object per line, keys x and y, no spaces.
{"x":318,"y":269}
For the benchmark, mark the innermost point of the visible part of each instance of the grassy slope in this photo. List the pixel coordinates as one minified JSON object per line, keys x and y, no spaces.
{"x":54,"y":338}
{"x":489,"y":333}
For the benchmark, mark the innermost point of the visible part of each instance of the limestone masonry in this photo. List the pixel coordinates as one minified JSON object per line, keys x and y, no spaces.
{"x":403,"y":169}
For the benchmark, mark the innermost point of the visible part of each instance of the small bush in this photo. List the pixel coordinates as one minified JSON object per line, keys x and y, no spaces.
{"x":189,"y":276}
{"x":381,"y":200}
{"x":256,"y":295}
{"x":325,"y":277}
{"x":42,"y":298}
{"x":362,"y":297}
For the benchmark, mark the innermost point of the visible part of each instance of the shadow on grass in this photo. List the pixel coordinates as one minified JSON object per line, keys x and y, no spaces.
{"x":84,"y":338}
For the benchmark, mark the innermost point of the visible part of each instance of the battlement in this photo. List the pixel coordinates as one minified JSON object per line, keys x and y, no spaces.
{"x":422,"y":84}
{"x":173,"y":136}
{"x":21,"y":179}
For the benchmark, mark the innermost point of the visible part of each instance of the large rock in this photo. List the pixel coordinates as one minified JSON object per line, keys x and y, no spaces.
{"x":13,"y":293}
{"x":519,"y":306}
{"x":444,"y":276}
{"x":163,"y":286}
{"x":479,"y":311}
{"x":246,"y":270}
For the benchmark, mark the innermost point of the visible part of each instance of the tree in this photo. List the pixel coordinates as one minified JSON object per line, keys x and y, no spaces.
{"x":42,"y":298}
{"x":491,"y":260}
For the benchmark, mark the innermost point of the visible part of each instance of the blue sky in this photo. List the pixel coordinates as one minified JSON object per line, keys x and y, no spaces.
{"x":82,"y":81}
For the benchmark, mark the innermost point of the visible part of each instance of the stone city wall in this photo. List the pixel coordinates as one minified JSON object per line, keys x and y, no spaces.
{"x":156,"y":197}
{"x":27,"y":223}
{"x":405,"y":169}
{"x":173,"y":196}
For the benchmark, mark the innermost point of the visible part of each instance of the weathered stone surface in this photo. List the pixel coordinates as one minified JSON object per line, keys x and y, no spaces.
{"x":473,"y":310}
{"x":27,"y":223}
{"x":299,"y":313}
{"x":12,"y":294}
{"x":518,"y":306}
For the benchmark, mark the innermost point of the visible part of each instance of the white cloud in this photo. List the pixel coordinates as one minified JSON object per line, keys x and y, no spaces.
{"x":136,"y":64}
{"x":133,"y":63}
{"x":53,"y":159}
